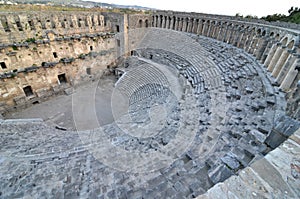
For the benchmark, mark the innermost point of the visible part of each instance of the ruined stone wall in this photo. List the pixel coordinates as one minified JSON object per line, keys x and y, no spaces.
{"x":43,"y":54}
{"x":18,"y":27}
{"x":38,"y":70}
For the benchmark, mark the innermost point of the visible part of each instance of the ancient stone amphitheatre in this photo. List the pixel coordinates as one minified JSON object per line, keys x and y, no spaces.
{"x":160,"y":105}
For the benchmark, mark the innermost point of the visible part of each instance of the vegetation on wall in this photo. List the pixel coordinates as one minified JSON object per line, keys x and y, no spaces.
{"x":293,"y":17}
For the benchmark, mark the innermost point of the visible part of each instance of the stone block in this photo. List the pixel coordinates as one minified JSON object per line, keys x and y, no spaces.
{"x":219,"y":173}
{"x":231,"y":162}
{"x":275,"y":139}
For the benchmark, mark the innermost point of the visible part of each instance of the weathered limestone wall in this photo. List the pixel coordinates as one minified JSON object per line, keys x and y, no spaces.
{"x":18,"y":27}
{"x":42,"y":54}
{"x":51,"y":67}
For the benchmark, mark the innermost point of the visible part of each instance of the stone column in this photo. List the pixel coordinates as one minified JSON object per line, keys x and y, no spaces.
{"x":184,"y":25}
{"x":210,"y":29}
{"x":290,"y":77}
{"x":194,"y":30}
{"x":243,"y":39}
{"x":271,"y":53}
{"x":281,"y":61}
{"x":237,"y":36}
{"x":253,"y":46}
{"x":126,"y":36}
{"x":205,"y":28}
{"x":214,"y":29}
{"x":163,"y":25}
{"x":228,"y":34}
{"x":171,"y":23}
{"x":180,"y":24}
{"x":199,"y":27}
{"x":287,"y":65}
{"x":159,"y":19}
{"x":266,"y":50}
{"x":225,"y":34}
{"x":190,"y":25}
{"x":261,"y":46}
{"x":275,"y":58}
{"x":176,"y":24}
{"x":167,"y":23}
{"x":154,"y":21}
{"x":221,"y":32}
{"x":251,"y":39}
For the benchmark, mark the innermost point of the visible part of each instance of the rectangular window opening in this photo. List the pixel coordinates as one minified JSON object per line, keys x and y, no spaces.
{"x":28,"y":91}
{"x":88,"y":71}
{"x":3,"y":65}
{"x":19,"y":26}
{"x":62,"y":78}
{"x":55,"y":55}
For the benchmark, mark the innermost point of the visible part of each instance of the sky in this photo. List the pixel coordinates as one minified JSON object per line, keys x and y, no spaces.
{"x":226,"y":7}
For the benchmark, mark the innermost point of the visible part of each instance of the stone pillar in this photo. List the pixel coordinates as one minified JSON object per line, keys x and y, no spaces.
{"x":172,"y":23}
{"x":194,"y":29}
{"x":210,"y":29}
{"x":268,"y":47}
{"x":232,"y":35}
{"x":184,"y":25}
{"x":229,"y":33}
{"x":159,"y":21}
{"x":199,"y":27}
{"x":154,"y":21}
{"x":237,"y":36}
{"x":271,"y":54}
{"x":287,"y":65}
{"x":253,"y":45}
{"x":214,"y":29}
{"x":275,"y":58}
{"x":248,"y":40}
{"x":205,"y":28}
{"x":190,"y":25}
{"x":176,"y":24}
{"x":163,"y":25}
{"x":260,"y":47}
{"x":221,"y":32}
{"x":280,"y":62}
{"x":225,"y":34}
{"x":126,"y":36}
{"x":290,"y":77}
{"x":180,"y":24}
{"x":240,"y":39}
{"x":167,"y":26}
{"x":243,"y":39}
